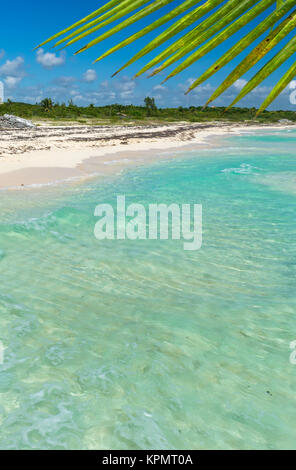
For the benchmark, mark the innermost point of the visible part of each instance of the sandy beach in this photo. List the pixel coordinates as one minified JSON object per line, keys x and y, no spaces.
{"x":49,"y":154}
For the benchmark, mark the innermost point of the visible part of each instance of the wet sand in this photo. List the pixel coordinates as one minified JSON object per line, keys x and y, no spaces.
{"x":47,"y":155}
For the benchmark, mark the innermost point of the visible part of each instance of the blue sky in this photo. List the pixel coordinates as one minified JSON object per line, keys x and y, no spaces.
{"x":32,"y":75}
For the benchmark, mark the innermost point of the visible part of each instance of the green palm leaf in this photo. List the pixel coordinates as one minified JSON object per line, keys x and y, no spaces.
{"x":268,"y":69}
{"x":84,"y":20}
{"x":221,"y":37}
{"x":181,"y":24}
{"x":252,"y":58}
{"x":280,"y":86}
{"x":205,"y":25}
{"x":141,"y":14}
{"x":191,"y":38}
{"x":123,"y":9}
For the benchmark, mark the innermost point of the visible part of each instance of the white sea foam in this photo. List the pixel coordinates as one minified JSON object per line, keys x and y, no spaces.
{"x":243,"y":169}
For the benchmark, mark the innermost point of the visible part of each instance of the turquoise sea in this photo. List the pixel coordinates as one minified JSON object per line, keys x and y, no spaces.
{"x":140,"y":344}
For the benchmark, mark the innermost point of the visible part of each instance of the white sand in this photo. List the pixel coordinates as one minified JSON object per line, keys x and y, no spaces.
{"x":56,"y":154}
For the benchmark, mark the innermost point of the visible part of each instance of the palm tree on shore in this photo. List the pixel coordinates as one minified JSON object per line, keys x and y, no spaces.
{"x":46,"y":104}
{"x":204,"y":25}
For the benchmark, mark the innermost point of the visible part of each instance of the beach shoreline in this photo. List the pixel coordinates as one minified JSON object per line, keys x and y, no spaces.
{"x":49,"y":155}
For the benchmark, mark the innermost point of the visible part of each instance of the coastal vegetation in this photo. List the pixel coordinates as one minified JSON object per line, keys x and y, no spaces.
{"x":118,"y":113}
{"x":196,"y":29}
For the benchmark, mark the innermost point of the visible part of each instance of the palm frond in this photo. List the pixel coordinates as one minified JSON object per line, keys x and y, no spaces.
{"x":256,"y":55}
{"x":268,"y":69}
{"x":205,"y":25}
{"x":280,"y":86}
{"x":251,"y":58}
{"x":191,"y":40}
{"x":215,"y":40}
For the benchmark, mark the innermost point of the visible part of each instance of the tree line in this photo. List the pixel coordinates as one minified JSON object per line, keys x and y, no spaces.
{"x":47,"y":108}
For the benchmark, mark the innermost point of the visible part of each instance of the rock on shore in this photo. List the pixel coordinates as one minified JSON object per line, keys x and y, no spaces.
{"x":8,"y":121}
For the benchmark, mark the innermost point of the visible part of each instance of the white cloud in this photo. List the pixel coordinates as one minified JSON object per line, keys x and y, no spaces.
{"x":240,"y":84}
{"x":159,"y":88}
{"x":77,"y":98}
{"x":49,"y":60}
{"x":12,"y":71}
{"x":122,"y":90}
{"x":2,"y":53}
{"x":11,"y":82}
{"x":13,"y":67}
{"x":292,"y":85}
{"x":90,"y":76}
{"x":125,"y":88}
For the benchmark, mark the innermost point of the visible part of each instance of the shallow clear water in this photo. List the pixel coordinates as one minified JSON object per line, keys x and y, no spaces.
{"x":140,"y":344}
